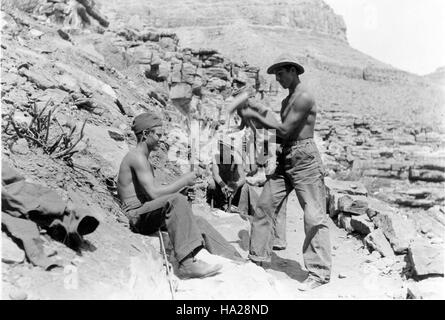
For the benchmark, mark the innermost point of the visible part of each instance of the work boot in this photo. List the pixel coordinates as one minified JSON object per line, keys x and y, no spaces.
{"x":193,"y":268}
{"x":310,"y":283}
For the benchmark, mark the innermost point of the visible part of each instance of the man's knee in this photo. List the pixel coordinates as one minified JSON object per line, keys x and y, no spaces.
{"x":178,"y":200}
{"x":315,"y":216}
{"x":263,"y":209}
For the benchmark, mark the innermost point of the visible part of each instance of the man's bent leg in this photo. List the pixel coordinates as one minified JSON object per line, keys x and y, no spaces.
{"x":274,"y":192}
{"x":179,"y":220}
{"x":175,"y":213}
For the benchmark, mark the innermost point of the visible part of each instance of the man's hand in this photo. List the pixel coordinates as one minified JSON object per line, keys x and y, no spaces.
{"x":228,"y":191}
{"x":238,"y":102}
{"x":190,"y":178}
{"x":233,"y":185}
{"x":248,"y":113}
{"x":255,"y":105}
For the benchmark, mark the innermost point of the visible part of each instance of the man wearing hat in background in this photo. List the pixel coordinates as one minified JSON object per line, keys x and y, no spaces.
{"x":300,"y":168}
{"x":150,"y":206}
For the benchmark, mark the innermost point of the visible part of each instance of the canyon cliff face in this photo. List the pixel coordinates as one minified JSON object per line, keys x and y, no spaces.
{"x":311,"y":15}
{"x":308,"y":28}
{"x":258,"y":31}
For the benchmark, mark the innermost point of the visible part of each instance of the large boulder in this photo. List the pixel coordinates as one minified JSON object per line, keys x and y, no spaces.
{"x":41,"y":78}
{"x":188,"y":72}
{"x":362,"y":224}
{"x":426,"y":175}
{"x":11,"y":253}
{"x":108,"y":151}
{"x":426,"y":259}
{"x":86,"y":80}
{"x":181,"y":96}
{"x":215,"y":72}
{"x":376,"y":206}
{"x":181,"y":91}
{"x":355,"y":205}
{"x":427,"y":289}
{"x":399,"y":231}
{"x":376,"y":240}
{"x":347,"y":187}
{"x":336,"y":189}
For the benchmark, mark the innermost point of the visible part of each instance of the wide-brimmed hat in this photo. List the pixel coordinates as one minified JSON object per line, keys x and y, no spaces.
{"x":284,"y":60}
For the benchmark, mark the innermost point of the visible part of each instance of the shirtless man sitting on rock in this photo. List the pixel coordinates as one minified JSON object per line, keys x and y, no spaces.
{"x":150,"y":206}
{"x":299,"y":167}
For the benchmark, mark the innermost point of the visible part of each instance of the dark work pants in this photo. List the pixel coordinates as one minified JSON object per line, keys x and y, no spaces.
{"x":248,"y":202}
{"x":187,"y":232}
{"x":300,"y":169}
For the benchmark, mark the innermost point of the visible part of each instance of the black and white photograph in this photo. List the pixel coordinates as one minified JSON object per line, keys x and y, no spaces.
{"x":222,"y":150}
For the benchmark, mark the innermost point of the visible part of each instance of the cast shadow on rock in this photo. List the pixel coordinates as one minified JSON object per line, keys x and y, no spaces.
{"x":291,"y":267}
{"x":244,"y":239}
{"x":87,"y":246}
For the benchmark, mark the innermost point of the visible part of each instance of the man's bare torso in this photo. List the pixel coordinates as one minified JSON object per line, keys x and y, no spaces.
{"x":306,"y":129}
{"x":128,"y":187}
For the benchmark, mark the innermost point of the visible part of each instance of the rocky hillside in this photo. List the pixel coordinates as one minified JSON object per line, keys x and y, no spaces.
{"x":437,"y":76}
{"x":74,"y":74}
{"x":257,"y":31}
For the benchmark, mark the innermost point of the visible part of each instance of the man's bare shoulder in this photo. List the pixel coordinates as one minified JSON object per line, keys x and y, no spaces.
{"x":133,"y":159}
{"x":302,"y":100}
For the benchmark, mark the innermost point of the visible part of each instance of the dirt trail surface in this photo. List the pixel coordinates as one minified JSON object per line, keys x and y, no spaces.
{"x":72,"y":80}
{"x":355,"y":274}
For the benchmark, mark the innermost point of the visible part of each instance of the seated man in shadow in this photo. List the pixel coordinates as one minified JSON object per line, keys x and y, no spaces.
{"x":150,"y":206}
{"x":227,"y":186}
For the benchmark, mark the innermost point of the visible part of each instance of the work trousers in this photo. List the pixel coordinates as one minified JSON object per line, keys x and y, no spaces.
{"x":299,"y":168}
{"x":186,"y":231}
{"x":247,"y":204}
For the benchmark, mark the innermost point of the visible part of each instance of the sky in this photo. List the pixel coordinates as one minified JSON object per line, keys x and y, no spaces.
{"x":407,"y":34}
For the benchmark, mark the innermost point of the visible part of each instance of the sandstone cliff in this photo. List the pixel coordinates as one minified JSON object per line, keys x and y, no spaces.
{"x":258,"y":31}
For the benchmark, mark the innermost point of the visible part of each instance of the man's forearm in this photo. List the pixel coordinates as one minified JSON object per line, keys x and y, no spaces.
{"x":240,"y":182}
{"x":267,"y":122}
{"x":171,"y":188}
{"x":219,"y":181}
{"x":270,"y":122}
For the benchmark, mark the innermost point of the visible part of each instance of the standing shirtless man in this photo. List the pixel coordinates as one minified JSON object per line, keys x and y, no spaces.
{"x":300,"y":168}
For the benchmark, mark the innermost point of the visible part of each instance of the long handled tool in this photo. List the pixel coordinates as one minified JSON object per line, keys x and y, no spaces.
{"x":167,"y":264}
{"x":229,"y":205}
{"x":194,"y":128}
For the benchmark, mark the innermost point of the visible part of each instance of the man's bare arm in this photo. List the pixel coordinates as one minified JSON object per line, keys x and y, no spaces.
{"x":242,"y":176}
{"x":216,"y":176}
{"x":146,"y":179}
{"x":294,"y":119}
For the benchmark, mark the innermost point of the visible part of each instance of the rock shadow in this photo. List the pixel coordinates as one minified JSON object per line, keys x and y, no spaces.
{"x":244,"y":240}
{"x":291,"y":267}
{"x":86,"y":246}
